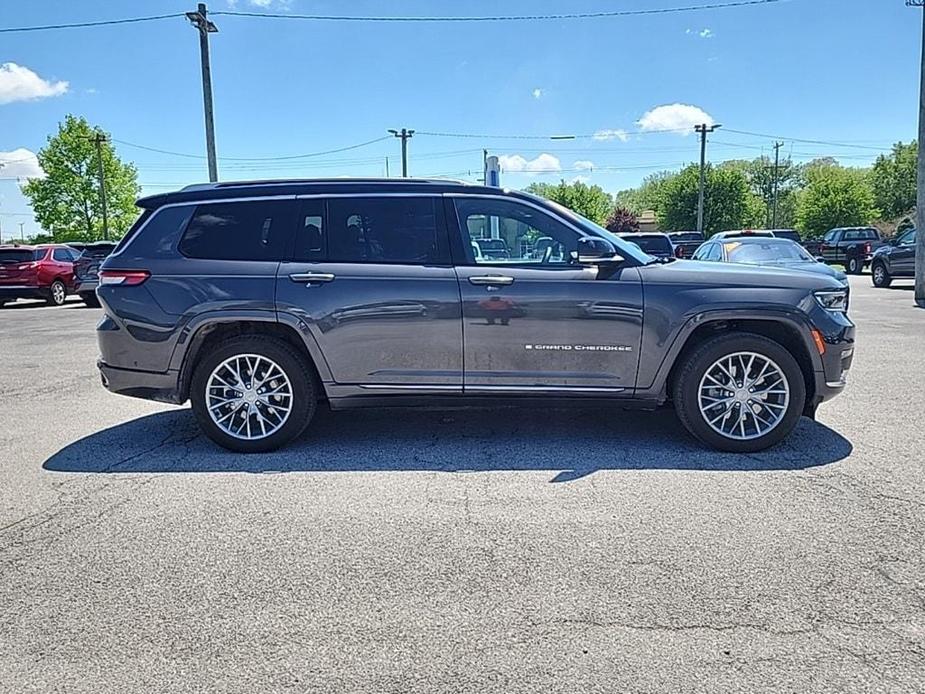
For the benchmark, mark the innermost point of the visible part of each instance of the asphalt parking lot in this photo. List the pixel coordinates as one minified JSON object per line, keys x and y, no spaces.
{"x":502,"y":551}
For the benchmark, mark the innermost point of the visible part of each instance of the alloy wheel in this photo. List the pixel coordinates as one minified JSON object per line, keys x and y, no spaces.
{"x":249,"y":396}
{"x":743,"y":395}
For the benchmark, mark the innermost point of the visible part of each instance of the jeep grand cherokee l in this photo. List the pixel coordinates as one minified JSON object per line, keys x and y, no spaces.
{"x":259,"y":300}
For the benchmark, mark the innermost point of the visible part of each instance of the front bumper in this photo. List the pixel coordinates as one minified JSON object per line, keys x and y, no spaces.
{"x":162,"y":387}
{"x":831,"y":371}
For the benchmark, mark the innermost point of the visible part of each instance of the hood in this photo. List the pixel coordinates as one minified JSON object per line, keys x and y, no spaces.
{"x":809,"y":266}
{"x":693,"y":272}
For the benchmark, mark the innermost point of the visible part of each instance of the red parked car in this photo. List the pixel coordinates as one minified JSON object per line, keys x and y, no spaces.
{"x":37,"y":272}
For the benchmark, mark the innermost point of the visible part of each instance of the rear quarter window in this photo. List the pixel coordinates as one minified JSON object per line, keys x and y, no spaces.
{"x":251,"y":230}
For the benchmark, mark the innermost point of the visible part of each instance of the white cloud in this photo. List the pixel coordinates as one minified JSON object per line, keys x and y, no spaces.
{"x":706,"y":34}
{"x":20,"y":163}
{"x":19,"y":83}
{"x":514,"y":163}
{"x":679,"y":117}
{"x":620,"y":135}
{"x":537,"y":93}
{"x":280,"y":4}
{"x":579,"y":179}
{"x":583,"y":165}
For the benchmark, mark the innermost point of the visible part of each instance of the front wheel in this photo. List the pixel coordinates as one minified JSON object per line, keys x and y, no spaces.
{"x":253,"y":394}
{"x":880,"y":276}
{"x":740,"y":392}
{"x":854,"y":265}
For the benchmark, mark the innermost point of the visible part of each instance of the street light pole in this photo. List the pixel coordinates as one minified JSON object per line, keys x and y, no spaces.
{"x":201,"y":22}
{"x":405,"y":135}
{"x":703,"y":129}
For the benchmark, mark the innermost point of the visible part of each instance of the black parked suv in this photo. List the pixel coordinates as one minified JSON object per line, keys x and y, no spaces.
{"x":259,"y":300}
{"x":896,"y":259}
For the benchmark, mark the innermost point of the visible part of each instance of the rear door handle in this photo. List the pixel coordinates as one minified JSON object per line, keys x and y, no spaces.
{"x":491,"y":280}
{"x":312,"y":277}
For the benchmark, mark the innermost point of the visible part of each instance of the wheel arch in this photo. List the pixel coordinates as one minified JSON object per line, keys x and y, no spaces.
{"x":787,"y":331}
{"x":213,"y":332}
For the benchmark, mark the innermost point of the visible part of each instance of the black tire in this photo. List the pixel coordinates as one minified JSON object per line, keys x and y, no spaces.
{"x":687,"y":383}
{"x":89,"y":298}
{"x":880,"y":276}
{"x":854,"y":265}
{"x":296,"y":369}
{"x":57,"y":293}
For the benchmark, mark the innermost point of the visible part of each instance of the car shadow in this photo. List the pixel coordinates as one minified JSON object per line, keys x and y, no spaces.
{"x":570,"y":443}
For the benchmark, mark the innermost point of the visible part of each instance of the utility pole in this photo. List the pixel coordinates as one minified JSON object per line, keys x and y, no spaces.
{"x":98,"y":138}
{"x":777,"y":146}
{"x":920,"y":203}
{"x":405,"y":135}
{"x":703,"y":129}
{"x":387,"y":167}
{"x":206,"y":27}
{"x":22,"y":234}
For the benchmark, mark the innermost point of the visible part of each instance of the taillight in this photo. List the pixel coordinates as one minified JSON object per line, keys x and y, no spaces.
{"x":124,"y":278}
{"x":867,"y":248}
{"x":678,"y":252}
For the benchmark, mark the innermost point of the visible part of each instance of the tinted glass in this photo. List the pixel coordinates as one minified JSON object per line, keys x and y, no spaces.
{"x":685,"y":236}
{"x":715,"y":252}
{"x":10,"y":256}
{"x":62,"y":255}
{"x":309,"y":238}
{"x":768,"y":251}
{"x":830,"y":236}
{"x":651,"y":244}
{"x":503,"y":231}
{"x":908,"y":239}
{"x":383,"y":230}
{"x":253,"y":230}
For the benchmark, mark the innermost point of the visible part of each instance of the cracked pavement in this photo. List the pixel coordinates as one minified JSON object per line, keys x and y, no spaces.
{"x":487,"y":551}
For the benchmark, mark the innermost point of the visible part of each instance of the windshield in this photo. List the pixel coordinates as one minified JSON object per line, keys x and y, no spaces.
{"x":9,"y":256}
{"x":766,"y":252}
{"x":627,"y":250}
{"x":686,"y":236}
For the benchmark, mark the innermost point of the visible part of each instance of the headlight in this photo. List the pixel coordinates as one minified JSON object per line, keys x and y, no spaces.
{"x":833,"y":299}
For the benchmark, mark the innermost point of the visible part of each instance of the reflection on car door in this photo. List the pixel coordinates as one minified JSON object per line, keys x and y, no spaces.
{"x":370,"y":279}
{"x":903,"y":258}
{"x":536,"y":322}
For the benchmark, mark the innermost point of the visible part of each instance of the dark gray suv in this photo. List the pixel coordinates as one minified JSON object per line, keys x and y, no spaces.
{"x":259,"y":300}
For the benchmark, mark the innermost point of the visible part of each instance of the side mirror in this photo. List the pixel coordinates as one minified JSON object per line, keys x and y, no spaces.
{"x":894,"y":242}
{"x":593,"y":250}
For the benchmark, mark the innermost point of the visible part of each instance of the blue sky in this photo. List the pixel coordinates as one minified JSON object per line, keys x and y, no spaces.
{"x":842,"y":71}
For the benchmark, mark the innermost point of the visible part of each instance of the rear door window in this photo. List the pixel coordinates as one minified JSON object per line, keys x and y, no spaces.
{"x":251,"y":230}
{"x":402,"y":230}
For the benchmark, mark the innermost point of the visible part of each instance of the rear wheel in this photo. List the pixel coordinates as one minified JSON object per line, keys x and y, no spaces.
{"x":740,"y":392}
{"x":57,"y":293}
{"x":854,"y":265}
{"x":880,"y":276}
{"x":253,"y":394}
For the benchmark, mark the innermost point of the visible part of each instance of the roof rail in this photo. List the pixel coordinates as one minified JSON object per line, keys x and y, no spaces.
{"x":290,"y":181}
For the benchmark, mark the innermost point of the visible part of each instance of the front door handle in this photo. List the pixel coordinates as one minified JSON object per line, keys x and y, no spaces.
{"x":312,"y":277}
{"x":491,"y":280}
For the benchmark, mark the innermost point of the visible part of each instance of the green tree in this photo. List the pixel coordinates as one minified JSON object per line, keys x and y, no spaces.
{"x":592,"y":202}
{"x":728,"y":201}
{"x":834,"y":196}
{"x":66,"y":201}
{"x":647,"y":195}
{"x":894,"y":178}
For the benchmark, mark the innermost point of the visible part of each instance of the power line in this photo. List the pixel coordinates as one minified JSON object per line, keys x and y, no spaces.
{"x":503,"y":18}
{"x":282,"y":158}
{"x":81,"y":25}
{"x":811,"y":142}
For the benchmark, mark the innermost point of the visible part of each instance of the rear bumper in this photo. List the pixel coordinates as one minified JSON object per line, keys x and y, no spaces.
{"x":87,"y":286}
{"x":24,"y":291}
{"x":162,"y":387}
